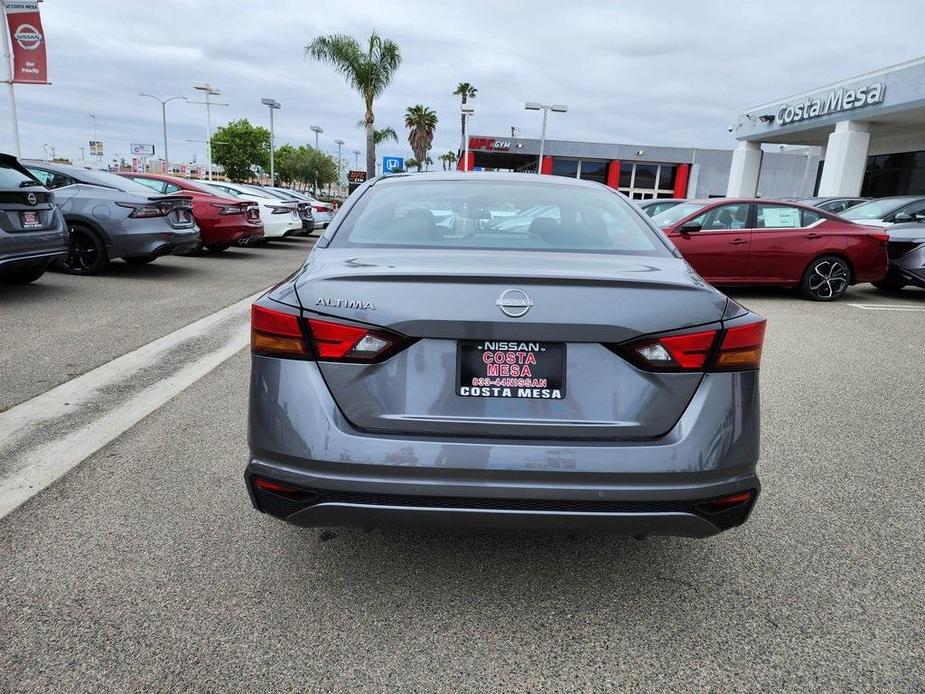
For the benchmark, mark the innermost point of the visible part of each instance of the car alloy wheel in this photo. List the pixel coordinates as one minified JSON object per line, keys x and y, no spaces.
{"x":86,"y":254}
{"x":826,"y":279}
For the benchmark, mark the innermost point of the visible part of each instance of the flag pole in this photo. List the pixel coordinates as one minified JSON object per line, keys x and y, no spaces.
{"x":8,"y":66}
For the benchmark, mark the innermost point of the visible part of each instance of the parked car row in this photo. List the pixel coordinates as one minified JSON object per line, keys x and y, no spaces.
{"x":820,"y":245}
{"x":81,"y":219}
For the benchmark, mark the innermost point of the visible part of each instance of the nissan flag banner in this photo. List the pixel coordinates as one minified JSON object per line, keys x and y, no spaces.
{"x":27,"y":38}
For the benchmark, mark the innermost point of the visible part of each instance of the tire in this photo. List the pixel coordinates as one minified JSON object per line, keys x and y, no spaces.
{"x":891,"y":283}
{"x":140,"y":259}
{"x":87,"y":254}
{"x":24,"y":275}
{"x":826,"y":278}
{"x":218,"y":248}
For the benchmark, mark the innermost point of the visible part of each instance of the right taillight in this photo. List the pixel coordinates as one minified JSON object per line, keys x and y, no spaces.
{"x":740,"y":349}
{"x":737,"y":348}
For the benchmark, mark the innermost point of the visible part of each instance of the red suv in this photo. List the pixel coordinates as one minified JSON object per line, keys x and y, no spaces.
{"x":772,"y":243}
{"x":222,"y":221}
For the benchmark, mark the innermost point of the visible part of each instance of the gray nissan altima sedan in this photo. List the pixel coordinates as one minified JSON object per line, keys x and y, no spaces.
{"x":425,"y":366}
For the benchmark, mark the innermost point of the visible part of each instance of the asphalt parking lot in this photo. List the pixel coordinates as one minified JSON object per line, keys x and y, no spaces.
{"x":145,"y":567}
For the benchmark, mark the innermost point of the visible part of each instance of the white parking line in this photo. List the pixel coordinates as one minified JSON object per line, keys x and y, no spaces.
{"x":49,"y":461}
{"x":887,"y":307}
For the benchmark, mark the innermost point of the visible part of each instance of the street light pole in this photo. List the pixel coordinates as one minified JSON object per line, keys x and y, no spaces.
{"x":339,"y":143}
{"x":356,"y":159}
{"x":316,"y":129}
{"x":209,"y":91}
{"x":98,"y":148}
{"x":545,"y":108}
{"x":163,"y":103}
{"x":272,"y":104}
{"x":467,"y":112}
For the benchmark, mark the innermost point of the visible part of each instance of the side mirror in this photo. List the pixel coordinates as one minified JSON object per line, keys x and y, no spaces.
{"x":690,"y":226}
{"x":902,"y":218}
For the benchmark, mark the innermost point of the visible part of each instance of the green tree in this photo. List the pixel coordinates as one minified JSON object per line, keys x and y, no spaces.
{"x":409,"y":162}
{"x":240,"y":147}
{"x":421,"y":122}
{"x":368,"y":71}
{"x":464,"y":91}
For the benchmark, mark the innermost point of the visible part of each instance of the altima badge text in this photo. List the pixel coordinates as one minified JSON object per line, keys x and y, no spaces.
{"x":346,"y":303}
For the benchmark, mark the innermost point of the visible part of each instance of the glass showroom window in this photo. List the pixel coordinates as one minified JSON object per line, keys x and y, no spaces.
{"x":644,"y":181}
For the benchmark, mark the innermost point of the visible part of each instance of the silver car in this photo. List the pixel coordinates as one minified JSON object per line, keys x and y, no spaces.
{"x":113,"y":217}
{"x":906,"y":251}
{"x":577,"y":374}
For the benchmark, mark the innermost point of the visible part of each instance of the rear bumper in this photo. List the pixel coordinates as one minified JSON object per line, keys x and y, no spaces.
{"x":153,"y":237}
{"x":218,"y":232}
{"x":345,"y":476}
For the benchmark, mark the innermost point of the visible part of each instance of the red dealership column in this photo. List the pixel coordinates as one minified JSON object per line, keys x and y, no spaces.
{"x":681,"y":174}
{"x":613,"y":174}
{"x":547,"y":165}
{"x":459,"y":162}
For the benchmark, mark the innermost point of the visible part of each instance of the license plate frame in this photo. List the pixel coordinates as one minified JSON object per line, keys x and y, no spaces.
{"x":515,"y":370}
{"x":30,"y":219}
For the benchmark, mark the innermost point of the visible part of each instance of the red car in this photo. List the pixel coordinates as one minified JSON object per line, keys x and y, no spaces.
{"x":767,"y":243}
{"x":222,"y":221}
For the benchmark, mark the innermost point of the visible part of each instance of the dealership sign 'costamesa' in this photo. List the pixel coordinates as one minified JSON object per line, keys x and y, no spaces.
{"x":837,"y":100}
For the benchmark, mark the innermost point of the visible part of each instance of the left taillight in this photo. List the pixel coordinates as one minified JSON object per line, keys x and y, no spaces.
{"x":146,"y":210}
{"x":277,"y":334}
{"x":736,"y":348}
{"x":281,"y":333}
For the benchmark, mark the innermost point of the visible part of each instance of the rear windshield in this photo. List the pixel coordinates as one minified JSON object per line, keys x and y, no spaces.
{"x":110,"y":180}
{"x":12,"y":178}
{"x":674,"y":214}
{"x":497,"y":215}
{"x":876,"y":209}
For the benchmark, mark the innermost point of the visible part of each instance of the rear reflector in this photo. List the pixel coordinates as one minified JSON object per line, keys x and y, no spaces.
{"x":276,"y":334}
{"x":271,"y":486}
{"x":726,"y":502}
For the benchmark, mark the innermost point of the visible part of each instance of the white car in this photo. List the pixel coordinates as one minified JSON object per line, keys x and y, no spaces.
{"x":279,"y":218}
{"x":322,"y":212}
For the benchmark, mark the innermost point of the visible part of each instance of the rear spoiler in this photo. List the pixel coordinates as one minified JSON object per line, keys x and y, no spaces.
{"x":12,"y":162}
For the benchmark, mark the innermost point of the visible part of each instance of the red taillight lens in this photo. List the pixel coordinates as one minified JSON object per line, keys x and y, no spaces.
{"x":341,"y":342}
{"x":684,"y":352}
{"x":882,"y":238}
{"x":276,"y":334}
{"x":740,"y":349}
{"x":228,"y":209}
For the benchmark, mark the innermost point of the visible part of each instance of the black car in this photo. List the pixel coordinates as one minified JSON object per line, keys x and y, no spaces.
{"x":835,"y":205}
{"x":32,"y":231}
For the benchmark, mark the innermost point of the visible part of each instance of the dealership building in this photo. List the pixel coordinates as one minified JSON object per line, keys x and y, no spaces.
{"x":869,"y":131}
{"x":861,"y":136}
{"x":642,"y":172}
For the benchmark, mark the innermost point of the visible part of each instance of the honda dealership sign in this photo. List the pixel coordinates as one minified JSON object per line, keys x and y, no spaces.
{"x":30,"y":65}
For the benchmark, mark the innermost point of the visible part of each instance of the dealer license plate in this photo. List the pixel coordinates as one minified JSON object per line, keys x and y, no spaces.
{"x":506,"y":369}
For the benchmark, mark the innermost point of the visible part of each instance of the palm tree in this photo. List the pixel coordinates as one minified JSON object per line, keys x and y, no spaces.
{"x":464,"y":91}
{"x":411,"y":161}
{"x":379,"y":136}
{"x":448,"y":160}
{"x":369,"y":72}
{"x":422,"y":122}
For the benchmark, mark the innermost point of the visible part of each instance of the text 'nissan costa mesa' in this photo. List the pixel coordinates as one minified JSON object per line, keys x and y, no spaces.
{"x":432,"y":365}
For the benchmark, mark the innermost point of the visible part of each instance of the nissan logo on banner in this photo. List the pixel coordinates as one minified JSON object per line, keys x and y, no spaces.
{"x":24,"y":24}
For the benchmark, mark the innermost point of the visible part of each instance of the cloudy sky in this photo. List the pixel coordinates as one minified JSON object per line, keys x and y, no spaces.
{"x":668,"y":73}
